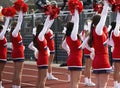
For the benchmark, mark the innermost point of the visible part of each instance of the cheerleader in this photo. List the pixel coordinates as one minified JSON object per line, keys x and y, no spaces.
{"x":8,"y":12}
{"x":84,"y":34}
{"x":41,"y":52}
{"x":17,"y":50}
{"x":100,"y":63}
{"x":51,"y":46}
{"x":3,"y":48}
{"x":115,"y":36}
{"x":74,"y":61}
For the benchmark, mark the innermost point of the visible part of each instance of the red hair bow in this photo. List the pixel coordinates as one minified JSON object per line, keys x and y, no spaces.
{"x":97,"y":7}
{"x":19,"y":5}
{"x":75,"y":4}
{"x":51,"y":10}
{"x":9,"y":11}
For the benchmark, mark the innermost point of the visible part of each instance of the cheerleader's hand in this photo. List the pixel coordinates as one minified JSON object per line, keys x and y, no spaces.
{"x":92,"y":54}
{"x":36,"y":54}
{"x":68,"y":53}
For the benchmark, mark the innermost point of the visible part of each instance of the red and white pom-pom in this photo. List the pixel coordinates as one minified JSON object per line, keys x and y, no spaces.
{"x":9,"y":11}
{"x":117,"y":2}
{"x":115,"y":7}
{"x":98,"y":7}
{"x":47,"y":9}
{"x":111,"y":1}
{"x":55,"y":12}
{"x":75,"y":4}
{"x":25,"y":8}
{"x":19,"y":5}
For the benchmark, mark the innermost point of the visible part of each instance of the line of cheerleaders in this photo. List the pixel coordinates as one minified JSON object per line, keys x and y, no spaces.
{"x":94,"y":40}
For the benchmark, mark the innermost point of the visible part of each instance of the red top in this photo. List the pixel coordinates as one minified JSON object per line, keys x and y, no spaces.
{"x":50,"y":41}
{"x":43,"y":52}
{"x":3,"y":49}
{"x":116,"y":51}
{"x":75,"y":57}
{"x":101,"y":59}
{"x":18,"y":47}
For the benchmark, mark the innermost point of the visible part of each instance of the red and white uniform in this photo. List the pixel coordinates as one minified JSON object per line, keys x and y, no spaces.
{"x":116,"y":39}
{"x":101,"y":59}
{"x":3,"y":50}
{"x":101,"y":62}
{"x":74,"y":61}
{"x":86,"y":51}
{"x":42,"y":60}
{"x":75,"y":56}
{"x":17,"y":43}
{"x":50,"y":41}
{"x":116,"y":50}
{"x":18,"y":47}
{"x":3,"y":41}
{"x":43,"y":53}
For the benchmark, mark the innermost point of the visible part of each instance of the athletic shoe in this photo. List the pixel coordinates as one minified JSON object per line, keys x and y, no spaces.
{"x":51,"y":77}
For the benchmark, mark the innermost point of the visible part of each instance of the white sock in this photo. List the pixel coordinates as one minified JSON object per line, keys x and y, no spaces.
{"x":0,"y":83}
{"x":13,"y":86}
{"x":69,"y":78}
{"x":50,"y":73}
{"x":17,"y":86}
{"x":86,"y":80}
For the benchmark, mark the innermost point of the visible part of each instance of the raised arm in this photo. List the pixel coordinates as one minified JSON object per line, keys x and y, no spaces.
{"x":117,"y":27}
{"x":2,"y":33}
{"x":100,"y":25}
{"x":45,"y":28}
{"x":19,"y":23}
{"x":76,"y":26}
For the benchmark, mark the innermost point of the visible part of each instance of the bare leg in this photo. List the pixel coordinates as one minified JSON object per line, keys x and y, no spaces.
{"x":75,"y":79}
{"x":2,"y":65}
{"x":97,"y":80}
{"x":103,"y":79}
{"x":18,"y":68}
{"x":88,"y":67}
{"x":41,"y":80}
{"x":50,"y":60}
{"x":117,"y":71}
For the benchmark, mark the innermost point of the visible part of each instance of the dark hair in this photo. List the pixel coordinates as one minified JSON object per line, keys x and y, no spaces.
{"x":39,"y":29}
{"x":69,"y":28}
{"x":13,"y":25}
{"x":1,"y":27}
{"x":113,"y":24}
{"x":95,"y":21}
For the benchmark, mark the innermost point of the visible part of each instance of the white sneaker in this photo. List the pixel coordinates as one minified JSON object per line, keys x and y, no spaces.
{"x":51,"y":77}
{"x":1,"y":87}
{"x":88,"y":82}
{"x":91,"y":84}
{"x":116,"y":84}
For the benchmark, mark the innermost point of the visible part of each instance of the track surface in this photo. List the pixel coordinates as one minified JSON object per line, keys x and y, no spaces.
{"x":29,"y":77}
